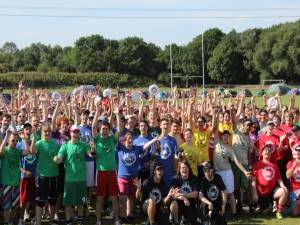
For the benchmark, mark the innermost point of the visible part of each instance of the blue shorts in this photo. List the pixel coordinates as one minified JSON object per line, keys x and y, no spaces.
{"x":10,"y":196}
{"x":294,"y":196}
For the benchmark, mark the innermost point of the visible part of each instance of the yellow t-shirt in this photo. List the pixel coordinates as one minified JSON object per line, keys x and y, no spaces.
{"x":226,"y":126}
{"x":191,"y":154}
{"x":201,"y":140}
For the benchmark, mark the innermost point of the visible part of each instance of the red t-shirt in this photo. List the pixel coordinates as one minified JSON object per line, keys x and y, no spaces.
{"x":266,"y":174}
{"x":286,"y":128}
{"x":295,"y":179}
{"x":272,"y":140}
{"x":282,"y":130}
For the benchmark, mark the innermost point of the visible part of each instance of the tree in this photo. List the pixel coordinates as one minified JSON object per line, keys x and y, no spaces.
{"x":226,"y":64}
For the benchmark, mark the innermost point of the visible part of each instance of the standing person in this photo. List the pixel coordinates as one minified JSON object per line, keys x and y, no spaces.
{"x":128,"y":161}
{"x":267,"y":184}
{"x":47,"y":173}
{"x":73,"y":154}
{"x":213,"y":188}
{"x":223,"y":154}
{"x":10,"y":175}
{"x":242,"y":147}
{"x":28,"y":172}
{"x":154,"y":194}
{"x":185,"y":201}
{"x":293,"y":174}
{"x":166,"y":151}
{"x":105,"y":152}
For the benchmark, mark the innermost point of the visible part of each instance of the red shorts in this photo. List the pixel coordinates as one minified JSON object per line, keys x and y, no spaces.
{"x":107,"y":184}
{"x":127,"y":187}
{"x":27,"y":190}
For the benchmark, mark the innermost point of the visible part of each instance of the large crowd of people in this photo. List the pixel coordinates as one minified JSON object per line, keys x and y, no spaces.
{"x":185,"y":159}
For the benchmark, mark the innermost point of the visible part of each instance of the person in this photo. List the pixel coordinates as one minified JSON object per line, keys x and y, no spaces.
{"x":47,"y":173}
{"x":191,"y":152}
{"x":28,"y":164}
{"x":154,"y":195}
{"x":10,"y":175}
{"x":128,"y":161}
{"x":73,"y":154}
{"x":185,"y":202}
{"x":166,"y":151}
{"x":106,"y":165}
{"x":267,"y":184}
{"x":242,"y":147}
{"x":293,"y":174}
{"x":213,"y":188}
{"x":223,"y":154}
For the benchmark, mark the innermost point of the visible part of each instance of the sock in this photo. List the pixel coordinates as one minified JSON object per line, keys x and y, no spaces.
{"x":280,"y":208}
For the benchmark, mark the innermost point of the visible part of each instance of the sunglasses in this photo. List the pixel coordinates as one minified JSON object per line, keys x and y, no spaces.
{"x":159,"y":169}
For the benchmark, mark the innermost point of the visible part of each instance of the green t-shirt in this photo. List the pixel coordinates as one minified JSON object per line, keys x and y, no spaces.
{"x":298,"y":123}
{"x":74,"y":157}
{"x":105,"y":153}
{"x":46,"y":150}
{"x":10,"y":171}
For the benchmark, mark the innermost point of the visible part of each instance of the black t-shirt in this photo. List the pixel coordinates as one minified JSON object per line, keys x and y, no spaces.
{"x":150,"y":189}
{"x":186,"y":186}
{"x":212,"y":190}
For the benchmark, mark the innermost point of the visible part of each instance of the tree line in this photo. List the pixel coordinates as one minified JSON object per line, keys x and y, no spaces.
{"x":233,"y":58}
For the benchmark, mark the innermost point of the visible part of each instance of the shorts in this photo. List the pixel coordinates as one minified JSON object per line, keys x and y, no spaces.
{"x":107,"y":184}
{"x":240,"y":180}
{"x":228,"y":179}
{"x":10,"y":196}
{"x":46,"y":189}
{"x":161,"y":217}
{"x":61,"y":178}
{"x":294,"y":197}
{"x":74,"y":193}
{"x":27,"y":190}
{"x":90,"y":173}
{"x":126,"y":186}
{"x":264,"y":201}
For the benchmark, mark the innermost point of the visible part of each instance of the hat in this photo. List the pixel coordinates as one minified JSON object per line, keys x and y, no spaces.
{"x":75,"y":127}
{"x":207,"y":165}
{"x":297,"y":148}
{"x":248,"y":122}
{"x":270,"y":122}
{"x":103,"y":119}
{"x":225,"y":132}
{"x":254,"y":120}
{"x":154,"y":165}
{"x":296,"y":128}
{"x":26,"y":124}
{"x":92,"y":115}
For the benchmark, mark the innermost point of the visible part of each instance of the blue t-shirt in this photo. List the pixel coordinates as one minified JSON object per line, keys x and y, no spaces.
{"x":86,"y":136}
{"x":128,"y":160}
{"x":168,"y":148}
{"x":145,"y":156}
{"x":28,"y":162}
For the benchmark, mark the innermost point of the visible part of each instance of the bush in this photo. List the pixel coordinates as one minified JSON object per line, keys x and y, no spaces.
{"x":53,"y":79}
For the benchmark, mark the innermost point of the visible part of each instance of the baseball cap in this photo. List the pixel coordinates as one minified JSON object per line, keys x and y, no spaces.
{"x":75,"y":127}
{"x":26,"y":124}
{"x":103,"y":119}
{"x":270,"y":122}
{"x":248,"y":122}
{"x":297,"y":148}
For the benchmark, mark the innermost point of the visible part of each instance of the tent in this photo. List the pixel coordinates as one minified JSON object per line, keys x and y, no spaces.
{"x":294,"y":90}
{"x":84,"y":88}
{"x":282,"y":89}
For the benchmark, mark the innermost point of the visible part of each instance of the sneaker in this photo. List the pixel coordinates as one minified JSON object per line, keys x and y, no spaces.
{"x":26,"y":216}
{"x":279,"y":216}
{"x":21,"y":222}
{"x":274,"y":207}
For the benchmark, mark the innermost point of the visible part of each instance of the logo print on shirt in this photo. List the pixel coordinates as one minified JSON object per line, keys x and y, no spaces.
{"x":155,"y":194}
{"x":268,"y":172}
{"x":270,"y":143}
{"x":165,"y":151}
{"x":186,"y":188}
{"x":213,"y":192}
{"x":129,"y":158}
{"x":297,"y":174}
{"x":30,"y":159}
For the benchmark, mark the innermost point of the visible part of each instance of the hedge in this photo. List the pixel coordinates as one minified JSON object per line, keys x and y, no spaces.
{"x":54,"y":79}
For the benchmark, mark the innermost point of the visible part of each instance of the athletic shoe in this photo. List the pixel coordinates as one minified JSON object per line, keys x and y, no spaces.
{"x":279,"y":216}
{"x":26,"y":216}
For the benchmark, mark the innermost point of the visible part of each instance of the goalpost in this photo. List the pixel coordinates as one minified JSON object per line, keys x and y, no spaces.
{"x":203,"y":72}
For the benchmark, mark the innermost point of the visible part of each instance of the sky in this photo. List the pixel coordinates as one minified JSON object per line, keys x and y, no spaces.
{"x":31,"y":21}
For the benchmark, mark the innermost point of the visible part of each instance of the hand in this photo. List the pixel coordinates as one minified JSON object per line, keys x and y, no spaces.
{"x":285,"y":189}
{"x":248,"y":174}
{"x":137,"y":182}
{"x":7,"y":133}
{"x":210,"y":207}
{"x":27,"y":174}
{"x":92,"y":146}
{"x":282,"y":137}
{"x":222,"y":211}
{"x":186,"y":202}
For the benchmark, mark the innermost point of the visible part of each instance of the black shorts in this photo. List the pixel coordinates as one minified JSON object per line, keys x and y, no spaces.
{"x":264,"y":201}
{"x":188,"y":212}
{"x":161,"y":217}
{"x":47,"y":189}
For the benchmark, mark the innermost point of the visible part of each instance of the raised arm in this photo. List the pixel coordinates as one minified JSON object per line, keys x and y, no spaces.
{"x":95,"y":120}
{"x":4,"y":142}
{"x":54,"y":116}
